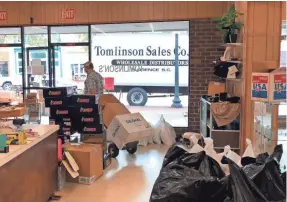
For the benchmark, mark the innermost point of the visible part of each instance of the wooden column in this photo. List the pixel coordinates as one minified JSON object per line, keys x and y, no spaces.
{"x":261,"y":51}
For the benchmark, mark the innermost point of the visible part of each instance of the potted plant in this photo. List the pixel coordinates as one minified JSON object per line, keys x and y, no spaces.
{"x":228,"y":25}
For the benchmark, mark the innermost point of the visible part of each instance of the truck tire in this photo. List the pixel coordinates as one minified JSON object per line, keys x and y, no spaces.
{"x":7,"y":85}
{"x":137,"y":97}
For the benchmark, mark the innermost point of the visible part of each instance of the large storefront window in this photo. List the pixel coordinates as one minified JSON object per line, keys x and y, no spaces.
{"x":140,"y":57}
{"x":70,"y":46}
{"x":69,"y":34}
{"x":282,"y":116}
{"x":10,"y":35}
{"x":10,"y":64}
{"x":36,"y":46}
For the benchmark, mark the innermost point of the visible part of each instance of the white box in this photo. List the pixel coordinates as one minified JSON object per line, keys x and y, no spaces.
{"x":278,"y":86}
{"x":260,"y":86}
{"x":128,"y":128}
{"x":269,"y":87}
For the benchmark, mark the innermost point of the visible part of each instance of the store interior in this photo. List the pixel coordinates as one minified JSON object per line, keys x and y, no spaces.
{"x":193,"y":105}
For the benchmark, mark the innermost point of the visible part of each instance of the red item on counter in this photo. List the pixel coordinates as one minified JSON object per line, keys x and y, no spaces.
{"x":60,"y":153}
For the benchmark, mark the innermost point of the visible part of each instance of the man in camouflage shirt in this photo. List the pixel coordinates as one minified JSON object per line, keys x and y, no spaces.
{"x":94,"y":83}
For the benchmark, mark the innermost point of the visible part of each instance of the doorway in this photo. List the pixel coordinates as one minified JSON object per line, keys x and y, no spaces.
{"x":37,"y":56}
{"x":68,"y":64}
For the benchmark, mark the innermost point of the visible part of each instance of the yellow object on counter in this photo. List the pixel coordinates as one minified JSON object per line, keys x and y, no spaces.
{"x":16,"y":138}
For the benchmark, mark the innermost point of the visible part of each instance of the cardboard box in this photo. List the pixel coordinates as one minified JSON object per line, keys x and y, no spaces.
{"x":90,"y":139}
{"x":58,"y":92}
{"x":111,"y":110}
{"x":86,"y":111}
{"x":7,"y":96}
{"x":269,"y":87}
{"x":57,"y":101}
{"x":61,"y":112}
{"x":128,"y":128}
{"x":83,"y":100}
{"x":278,"y":85}
{"x":215,"y":88}
{"x":32,"y":96}
{"x":107,"y":98}
{"x":89,"y":158}
{"x":260,"y":86}
{"x":91,"y":129}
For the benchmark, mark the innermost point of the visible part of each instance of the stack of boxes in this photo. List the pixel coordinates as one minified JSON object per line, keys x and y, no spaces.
{"x":86,"y":112}
{"x":61,"y":110}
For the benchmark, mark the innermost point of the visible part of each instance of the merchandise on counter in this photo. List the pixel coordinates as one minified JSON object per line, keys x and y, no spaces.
{"x":58,"y":92}
{"x":12,"y":111}
{"x":89,"y":158}
{"x":16,"y":138}
{"x":4,"y":148}
{"x":128,"y":128}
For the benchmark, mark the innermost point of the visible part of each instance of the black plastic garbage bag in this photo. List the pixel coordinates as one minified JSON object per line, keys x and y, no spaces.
{"x":243,"y":189}
{"x":189,"y":178}
{"x":265,"y":173}
{"x":173,"y":154}
{"x":283,"y":176}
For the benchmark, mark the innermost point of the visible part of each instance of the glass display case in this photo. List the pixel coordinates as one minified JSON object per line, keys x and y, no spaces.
{"x":270,"y":130}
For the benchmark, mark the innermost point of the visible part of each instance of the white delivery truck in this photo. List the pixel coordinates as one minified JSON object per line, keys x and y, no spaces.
{"x":142,"y":64}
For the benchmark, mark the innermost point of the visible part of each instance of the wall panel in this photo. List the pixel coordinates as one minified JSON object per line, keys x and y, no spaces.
{"x":44,"y":13}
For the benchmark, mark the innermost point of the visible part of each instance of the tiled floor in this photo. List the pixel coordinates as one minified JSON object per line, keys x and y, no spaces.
{"x":129,"y":178}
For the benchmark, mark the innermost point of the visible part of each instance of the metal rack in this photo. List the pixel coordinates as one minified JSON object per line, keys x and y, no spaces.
{"x":220,"y":137}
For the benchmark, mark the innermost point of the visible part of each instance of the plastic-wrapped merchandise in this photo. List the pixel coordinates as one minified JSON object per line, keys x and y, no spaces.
{"x":167,"y":133}
{"x":157,"y":130}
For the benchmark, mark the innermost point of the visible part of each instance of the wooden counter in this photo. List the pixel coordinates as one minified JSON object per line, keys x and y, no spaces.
{"x":28,"y":172}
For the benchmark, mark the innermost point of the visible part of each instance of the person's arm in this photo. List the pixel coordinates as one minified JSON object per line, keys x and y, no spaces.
{"x":91,"y":84}
{"x":99,"y":83}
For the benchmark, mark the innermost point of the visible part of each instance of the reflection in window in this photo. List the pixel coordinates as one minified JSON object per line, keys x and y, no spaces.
{"x":4,"y":69}
{"x":38,"y":55}
{"x":36,"y":36}
{"x":143,"y":54}
{"x":69,"y":34}
{"x":10,"y":35}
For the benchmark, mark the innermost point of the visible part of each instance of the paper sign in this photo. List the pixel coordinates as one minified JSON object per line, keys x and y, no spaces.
{"x":68,"y":13}
{"x":260,"y":86}
{"x":3,"y":15}
{"x":279,"y":87}
{"x":36,"y":62}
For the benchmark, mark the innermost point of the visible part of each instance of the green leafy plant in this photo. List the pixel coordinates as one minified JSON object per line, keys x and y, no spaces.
{"x":227,"y":22}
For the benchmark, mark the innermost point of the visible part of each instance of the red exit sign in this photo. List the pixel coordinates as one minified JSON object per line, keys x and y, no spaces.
{"x":68,"y":13}
{"x":3,"y":15}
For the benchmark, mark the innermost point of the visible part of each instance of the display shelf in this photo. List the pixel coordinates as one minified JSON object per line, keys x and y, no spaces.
{"x":231,"y":44}
{"x":235,"y":61}
{"x":220,"y":137}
